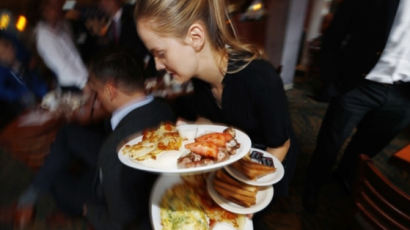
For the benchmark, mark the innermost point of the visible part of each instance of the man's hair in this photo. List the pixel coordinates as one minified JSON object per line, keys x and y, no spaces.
{"x":121,"y":68}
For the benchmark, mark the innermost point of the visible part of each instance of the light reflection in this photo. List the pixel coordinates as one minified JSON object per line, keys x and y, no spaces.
{"x":256,"y":6}
{"x":4,"y":21}
{"x":21,"y":23}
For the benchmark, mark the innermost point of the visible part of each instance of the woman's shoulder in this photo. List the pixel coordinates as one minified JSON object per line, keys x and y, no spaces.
{"x":258,"y":69}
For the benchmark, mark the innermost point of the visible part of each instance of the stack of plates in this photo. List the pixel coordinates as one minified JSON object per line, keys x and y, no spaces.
{"x":263,"y":196}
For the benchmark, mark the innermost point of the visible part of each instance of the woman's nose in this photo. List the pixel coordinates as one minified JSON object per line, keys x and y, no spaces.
{"x":159,"y":65}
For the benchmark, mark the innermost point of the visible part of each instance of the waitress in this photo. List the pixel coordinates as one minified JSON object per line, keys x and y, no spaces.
{"x":232,"y":83}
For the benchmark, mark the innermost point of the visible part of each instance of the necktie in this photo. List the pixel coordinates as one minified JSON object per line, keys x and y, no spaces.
{"x":115,"y":31}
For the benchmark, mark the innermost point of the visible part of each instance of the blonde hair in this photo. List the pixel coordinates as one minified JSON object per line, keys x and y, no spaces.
{"x":174,"y":17}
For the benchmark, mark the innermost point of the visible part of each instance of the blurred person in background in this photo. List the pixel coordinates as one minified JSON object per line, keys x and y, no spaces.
{"x":20,"y":86}
{"x":366,"y":59}
{"x":120,"y":31}
{"x":56,"y":47}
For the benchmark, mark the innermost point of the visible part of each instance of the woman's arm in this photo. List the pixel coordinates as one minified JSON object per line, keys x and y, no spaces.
{"x":281,"y":151}
{"x":271,"y":110}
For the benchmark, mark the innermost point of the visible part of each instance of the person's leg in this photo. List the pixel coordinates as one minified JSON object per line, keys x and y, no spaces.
{"x":342,"y":116}
{"x":376,"y":130}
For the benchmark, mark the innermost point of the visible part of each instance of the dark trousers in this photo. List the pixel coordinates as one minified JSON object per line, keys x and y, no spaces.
{"x":377,"y":111}
{"x":69,"y":170}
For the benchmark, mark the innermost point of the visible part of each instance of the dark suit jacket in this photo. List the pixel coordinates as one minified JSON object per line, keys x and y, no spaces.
{"x":353,"y":43}
{"x":129,"y":38}
{"x":123,"y":192}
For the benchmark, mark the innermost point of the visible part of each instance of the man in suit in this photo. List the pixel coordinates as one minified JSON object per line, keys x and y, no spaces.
{"x":122,"y":192}
{"x":122,"y":30}
{"x":366,"y":59}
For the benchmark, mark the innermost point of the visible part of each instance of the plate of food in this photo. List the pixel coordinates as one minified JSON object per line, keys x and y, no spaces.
{"x":236,"y":196}
{"x":184,"y":148}
{"x":259,"y":168}
{"x":183,"y":203}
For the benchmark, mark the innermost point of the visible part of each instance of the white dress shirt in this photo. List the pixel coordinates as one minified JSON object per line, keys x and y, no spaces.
{"x":59,"y":53}
{"x":394,"y":62}
{"x":120,"y":113}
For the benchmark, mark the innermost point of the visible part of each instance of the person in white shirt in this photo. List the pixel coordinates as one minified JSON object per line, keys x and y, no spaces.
{"x":366,"y":57}
{"x":56,"y":47}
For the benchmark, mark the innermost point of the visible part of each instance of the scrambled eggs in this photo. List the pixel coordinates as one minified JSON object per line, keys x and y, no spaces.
{"x":181,"y":209}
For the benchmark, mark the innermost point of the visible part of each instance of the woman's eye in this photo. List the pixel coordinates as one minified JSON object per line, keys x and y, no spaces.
{"x":160,"y":54}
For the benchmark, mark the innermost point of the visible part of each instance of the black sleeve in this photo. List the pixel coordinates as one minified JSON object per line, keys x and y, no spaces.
{"x":270,"y":105}
{"x":115,"y":214}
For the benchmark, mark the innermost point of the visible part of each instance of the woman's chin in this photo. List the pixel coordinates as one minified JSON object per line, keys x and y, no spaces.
{"x":179,"y":79}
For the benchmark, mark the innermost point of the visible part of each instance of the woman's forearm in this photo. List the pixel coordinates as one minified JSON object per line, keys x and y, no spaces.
{"x":281,"y":151}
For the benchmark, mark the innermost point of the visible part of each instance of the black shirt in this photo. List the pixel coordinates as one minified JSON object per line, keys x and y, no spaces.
{"x":253,"y":100}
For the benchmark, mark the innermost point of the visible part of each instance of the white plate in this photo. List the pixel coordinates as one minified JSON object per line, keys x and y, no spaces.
{"x":167,"y":162}
{"x":165,"y":182}
{"x":269,"y":179}
{"x":263,"y":198}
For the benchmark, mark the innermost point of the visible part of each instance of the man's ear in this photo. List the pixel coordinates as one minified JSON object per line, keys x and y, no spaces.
{"x":111,"y":90}
{"x":196,"y":36}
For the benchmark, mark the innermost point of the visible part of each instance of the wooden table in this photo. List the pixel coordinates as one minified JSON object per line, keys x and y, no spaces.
{"x":404,"y":155}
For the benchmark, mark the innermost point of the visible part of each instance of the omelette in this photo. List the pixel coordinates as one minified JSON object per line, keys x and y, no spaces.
{"x":181,"y":210}
{"x":186,"y":206}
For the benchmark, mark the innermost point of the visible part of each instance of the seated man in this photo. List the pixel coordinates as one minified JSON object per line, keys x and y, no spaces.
{"x":116,"y":196}
{"x":122,"y":192}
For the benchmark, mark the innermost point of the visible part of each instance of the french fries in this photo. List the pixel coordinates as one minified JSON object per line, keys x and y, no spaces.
{"x":252,"y":170}
{"x":233,"y":190}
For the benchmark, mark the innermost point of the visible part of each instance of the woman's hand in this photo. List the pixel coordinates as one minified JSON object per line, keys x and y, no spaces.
{"x":281,"y":151}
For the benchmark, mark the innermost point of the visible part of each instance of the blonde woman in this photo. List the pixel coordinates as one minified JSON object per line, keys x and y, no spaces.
{"x":193,"y":40}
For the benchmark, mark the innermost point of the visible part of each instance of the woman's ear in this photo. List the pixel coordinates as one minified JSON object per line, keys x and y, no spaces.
{"x":196,"y":36}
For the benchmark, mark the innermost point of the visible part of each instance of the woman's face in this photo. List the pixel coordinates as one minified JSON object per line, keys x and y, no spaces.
{"x":172,"y":54}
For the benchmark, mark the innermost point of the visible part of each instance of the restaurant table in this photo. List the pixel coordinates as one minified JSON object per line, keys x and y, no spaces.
{"x":29,"y":136}
{"x":404,"y":155}
{"x":395,"y":169}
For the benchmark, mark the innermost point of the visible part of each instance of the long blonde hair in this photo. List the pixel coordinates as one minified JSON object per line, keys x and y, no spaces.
{"x":174,"y":17}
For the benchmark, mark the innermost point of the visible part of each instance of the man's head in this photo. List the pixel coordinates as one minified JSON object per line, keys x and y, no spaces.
{"x":7,"y":52}
{"x":110,"y":7}
{"x":117,"y":78}
{"x":52,"y":11}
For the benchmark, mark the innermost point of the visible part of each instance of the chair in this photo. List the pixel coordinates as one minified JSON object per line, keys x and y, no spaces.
{"x":381,"y":204}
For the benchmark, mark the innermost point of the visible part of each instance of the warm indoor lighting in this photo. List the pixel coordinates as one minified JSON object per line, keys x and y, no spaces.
{"x":256,"y":6}
{"x":21,"y":23}
{"x":4,"y":21}
{"x":255,"y":11}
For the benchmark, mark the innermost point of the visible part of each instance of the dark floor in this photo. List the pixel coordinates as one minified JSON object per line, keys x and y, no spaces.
{"x":335,"y":210}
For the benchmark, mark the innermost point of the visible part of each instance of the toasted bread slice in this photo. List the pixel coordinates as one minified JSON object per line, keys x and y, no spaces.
{"x":223,"y":176}
{"x":235,"y":197}
{"x":252,"y":170}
